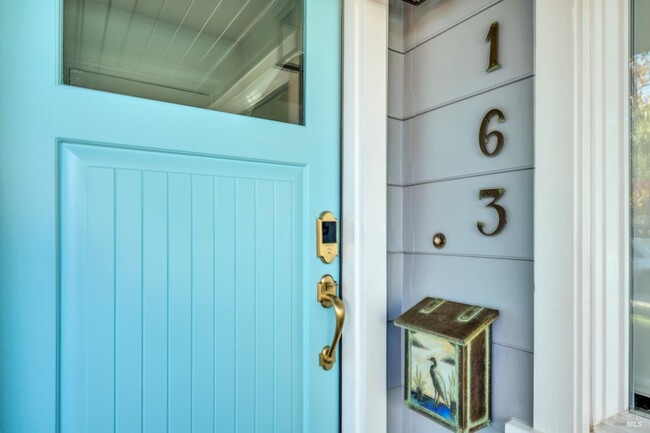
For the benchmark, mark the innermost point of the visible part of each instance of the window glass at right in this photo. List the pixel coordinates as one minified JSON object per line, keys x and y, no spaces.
{"x":640,"y":204}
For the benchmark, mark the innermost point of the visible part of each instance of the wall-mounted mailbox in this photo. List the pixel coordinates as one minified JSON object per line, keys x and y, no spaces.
{"x":448,"y":362}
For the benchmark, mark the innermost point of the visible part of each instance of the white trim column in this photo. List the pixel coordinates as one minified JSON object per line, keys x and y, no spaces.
{"x":560,"y":372}
{"x":605,"y":204}
{"x":363,"y":274}
{"x":581,"y":214}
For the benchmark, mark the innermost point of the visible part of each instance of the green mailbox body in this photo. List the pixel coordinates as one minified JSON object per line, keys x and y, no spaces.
{"x":447,"y":375}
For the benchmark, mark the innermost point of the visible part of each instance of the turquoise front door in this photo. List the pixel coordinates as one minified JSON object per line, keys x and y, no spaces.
{"x":162,"y":166}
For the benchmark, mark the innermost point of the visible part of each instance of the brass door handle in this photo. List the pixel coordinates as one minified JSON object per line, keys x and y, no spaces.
{"x":327,"y":298}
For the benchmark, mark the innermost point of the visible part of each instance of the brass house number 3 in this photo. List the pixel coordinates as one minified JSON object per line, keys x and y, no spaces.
{"x":484,"y":138}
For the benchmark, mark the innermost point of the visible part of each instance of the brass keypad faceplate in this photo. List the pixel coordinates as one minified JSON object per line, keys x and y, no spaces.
{"x":327,"y":237}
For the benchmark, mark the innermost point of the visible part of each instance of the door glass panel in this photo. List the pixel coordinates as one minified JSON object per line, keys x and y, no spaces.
{"x":640,"y":194}
{"x":237,"y":56}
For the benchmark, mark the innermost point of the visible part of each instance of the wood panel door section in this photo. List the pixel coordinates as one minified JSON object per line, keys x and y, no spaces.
{"x":180,"y":277}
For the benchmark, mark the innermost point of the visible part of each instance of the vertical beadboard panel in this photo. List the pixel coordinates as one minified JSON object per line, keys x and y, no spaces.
{"x":264,"y":307}
{"x":185,"y":279}
{"x":99,"y":312}
{"x":245,"y":304}
{"x":155,"y":364}
{"x":298,"y":355}
{"x":202,"y":303}
{"x":284,"y":334}
{"x":128,"y":300}
{"x":180,"y":307}
{"x":224,"y":304}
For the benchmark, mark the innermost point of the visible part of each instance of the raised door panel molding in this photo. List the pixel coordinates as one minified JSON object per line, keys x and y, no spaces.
{"x":435,"y":16}
{"x":444,"y":143}
{"x":163,"y":256}
{"x":454,"y":208}
{"x":506,"y":285}
{"x":453,"y":65}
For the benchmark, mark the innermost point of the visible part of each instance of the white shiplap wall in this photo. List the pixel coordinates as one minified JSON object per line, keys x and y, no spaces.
{"x":438,"y":95}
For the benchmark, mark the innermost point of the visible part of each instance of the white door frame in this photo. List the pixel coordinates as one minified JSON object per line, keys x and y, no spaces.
{"x":581,"y":214}
{"x":363,"y":273}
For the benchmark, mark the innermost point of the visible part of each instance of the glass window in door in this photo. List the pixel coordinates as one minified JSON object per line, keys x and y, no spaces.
{"x":237,"y":56}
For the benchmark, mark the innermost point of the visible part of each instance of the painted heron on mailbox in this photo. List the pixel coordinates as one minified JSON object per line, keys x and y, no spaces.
{"x":440,"y":394}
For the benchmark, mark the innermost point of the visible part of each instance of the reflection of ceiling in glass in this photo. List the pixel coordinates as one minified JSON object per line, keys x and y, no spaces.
{"x":203,"y":47}
{"x":228,"y":17}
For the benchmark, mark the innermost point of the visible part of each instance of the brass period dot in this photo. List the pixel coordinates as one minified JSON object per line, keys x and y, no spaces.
{"x":439,"y":240}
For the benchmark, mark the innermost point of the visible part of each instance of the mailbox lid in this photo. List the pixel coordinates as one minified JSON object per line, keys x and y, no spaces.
{"x":453,"y":320}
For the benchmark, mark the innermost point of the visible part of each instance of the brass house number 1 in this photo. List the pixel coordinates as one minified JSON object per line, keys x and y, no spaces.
{"x":493,"y":38}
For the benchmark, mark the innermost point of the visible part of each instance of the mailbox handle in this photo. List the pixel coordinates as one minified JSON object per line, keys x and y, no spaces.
{"x":327,"y":298}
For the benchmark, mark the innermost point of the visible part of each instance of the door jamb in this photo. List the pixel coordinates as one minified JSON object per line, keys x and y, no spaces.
{"x":363,"y":259}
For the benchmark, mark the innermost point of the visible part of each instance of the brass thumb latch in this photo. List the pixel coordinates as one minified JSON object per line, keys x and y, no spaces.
{"x":326,"y":291}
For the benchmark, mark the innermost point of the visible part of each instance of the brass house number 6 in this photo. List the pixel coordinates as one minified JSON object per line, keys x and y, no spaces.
{"x":484,"y":136}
